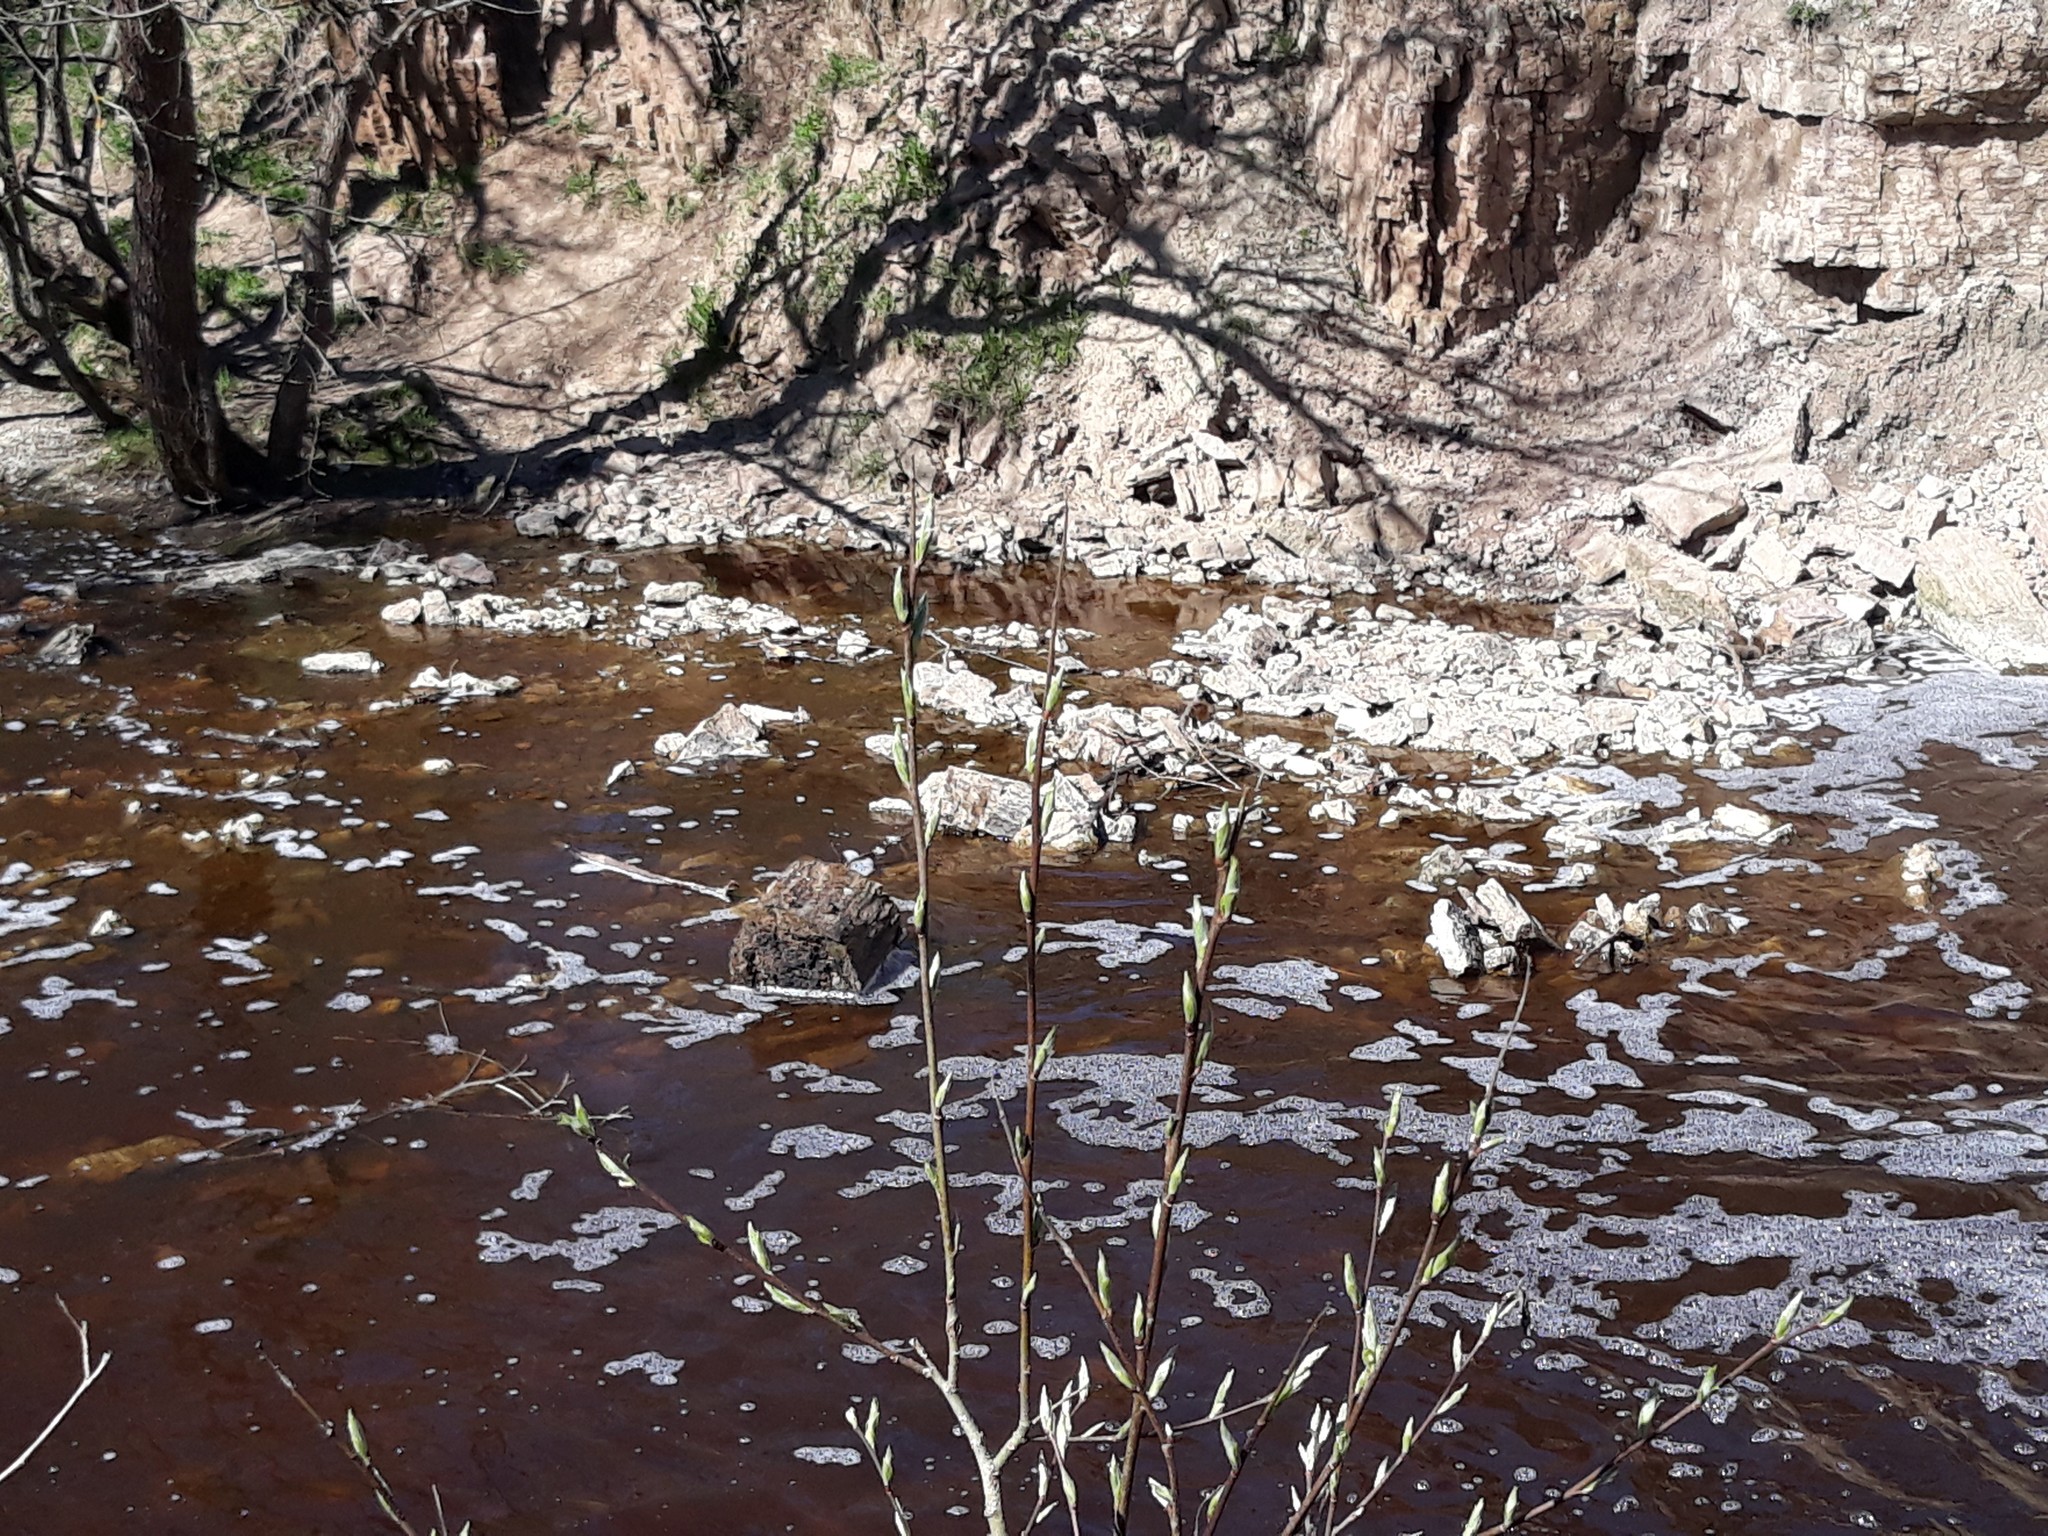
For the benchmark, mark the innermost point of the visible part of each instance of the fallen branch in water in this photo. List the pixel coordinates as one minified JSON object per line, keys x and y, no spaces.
{"x":356,"y":1446}
{"x":88,"y":1373}
{"x":482,"y":1073}
{"x":604,"y":863}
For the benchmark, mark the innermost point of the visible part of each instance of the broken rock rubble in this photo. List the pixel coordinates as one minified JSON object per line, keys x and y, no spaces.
{"x":1483,"y":930}
{"x":455,"y":685}
{"x":1486,"y":929}
{"x":491,"y":611}
{"x":1788,"y":563}
{"x":1080,"y":813}
{"x":1389,"y":680}
{"x":733,"y":731}
{"x":672,"y":610}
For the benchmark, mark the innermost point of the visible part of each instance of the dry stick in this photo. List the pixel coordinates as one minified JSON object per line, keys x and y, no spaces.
{"x":88,"y":1373}
{"x":1173,"y":1165}
{"x":1026,"y":1144}
{"x":259,"y":1143}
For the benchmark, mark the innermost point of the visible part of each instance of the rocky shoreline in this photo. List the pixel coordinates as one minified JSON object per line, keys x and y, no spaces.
{"x":1749,"y":547}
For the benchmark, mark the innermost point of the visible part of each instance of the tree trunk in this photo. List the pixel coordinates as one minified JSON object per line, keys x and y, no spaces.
{"x":292,"y":412}
{"x":174,"y":372}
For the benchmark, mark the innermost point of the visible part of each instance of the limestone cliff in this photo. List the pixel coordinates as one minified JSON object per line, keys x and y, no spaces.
{"x":1472,"y":151}
{"x":1236,"y":285}
{"x":1844,"y":161}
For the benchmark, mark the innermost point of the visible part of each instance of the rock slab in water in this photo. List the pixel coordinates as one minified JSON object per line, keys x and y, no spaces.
{"x":1975,"y":596}
{"x":820,"y":928}
{"x":732,"y":731}
{"x":1484,"y":930}
{"x":971,"y":803}
{"x":1456,"y":940}
{"x":465,"y":570}
{"x":341,"y":664}
{"x":118,"y":1162}
{"x":543,"y":522}
{"x":267,"y":566}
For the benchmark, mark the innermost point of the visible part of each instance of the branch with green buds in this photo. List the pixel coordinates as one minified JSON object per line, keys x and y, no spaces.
{"x":354,"y":1441}
{"x":1197,"y":1032}
{"x":1324,"y":1476}
{"x":882,"y":1458}
{"x":1786,"y":1333}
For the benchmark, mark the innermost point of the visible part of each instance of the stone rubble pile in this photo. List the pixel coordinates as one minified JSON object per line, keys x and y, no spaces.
{"x":674,"y":610}
{"x":1610,"y":937}
{"x":1485,"y":929}
{"x":490,"y":610}
{"x":1387,"y":679}
{"x":454,"y":685}
{"x":1748,"y":544}
{"x":732,"y":732}
{"x":1114,"y":530}
{"x":1754,"y":548}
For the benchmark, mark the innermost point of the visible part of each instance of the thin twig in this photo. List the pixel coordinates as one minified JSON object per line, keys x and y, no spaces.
{"x":1196,"y":1034}
{"x":1036,"y":1052}
{"x":88,"y":1372}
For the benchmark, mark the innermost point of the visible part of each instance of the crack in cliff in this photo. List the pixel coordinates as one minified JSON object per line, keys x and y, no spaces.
{"x":1445,"y":197}
{"x":1959,"y":135}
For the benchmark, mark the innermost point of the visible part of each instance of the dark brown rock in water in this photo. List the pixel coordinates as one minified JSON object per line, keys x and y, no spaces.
{"x":820,"y":928}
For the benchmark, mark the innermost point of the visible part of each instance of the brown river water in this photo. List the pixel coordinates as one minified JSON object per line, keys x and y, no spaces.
{"x":1846,"y":1095}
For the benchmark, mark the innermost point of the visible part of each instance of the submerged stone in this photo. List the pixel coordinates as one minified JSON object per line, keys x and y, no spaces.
{"x":119,"y":1162}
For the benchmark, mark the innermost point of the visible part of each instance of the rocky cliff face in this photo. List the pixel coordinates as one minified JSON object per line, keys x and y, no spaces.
{"x":1472,"y":151}
{"x":1539,"y":288}
{"x":1858,"y":168}
{"x":680,"y":80}
{"x":1844,"y":162}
